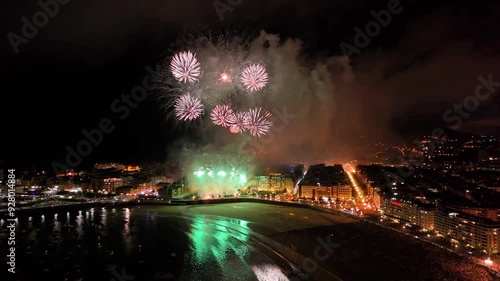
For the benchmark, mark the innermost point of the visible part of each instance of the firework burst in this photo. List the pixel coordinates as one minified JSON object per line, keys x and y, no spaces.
{"x":211,"y":75}
{"x":237,"y":122}
{"x":254,"y":77}
{"x":225,"y":77}
{"x":185,"y":67}
{"x":221,"y":114}
{"x":187,"y":108}
{"x":258,"y":122}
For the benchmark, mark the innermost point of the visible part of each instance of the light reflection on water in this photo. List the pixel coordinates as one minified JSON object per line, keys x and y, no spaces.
{"x":79,"y":225}
{"x":103,"y":216}
{"x":126,"y":234}
{"x":89,"y":243}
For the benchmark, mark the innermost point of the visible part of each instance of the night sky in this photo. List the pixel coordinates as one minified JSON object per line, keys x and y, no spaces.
{"x":90,"y":52}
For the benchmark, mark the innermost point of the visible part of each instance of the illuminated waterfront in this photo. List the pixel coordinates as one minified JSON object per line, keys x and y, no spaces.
{"x":221,"y":242}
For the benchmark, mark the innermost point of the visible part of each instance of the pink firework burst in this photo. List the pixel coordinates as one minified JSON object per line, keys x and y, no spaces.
{"x":221,"y":114}
{"x":236,"y":122}
{"x":185,"y":67}
{"x":258,"y":122}
{"x":187,"y":108}
{"x":254,"y":77}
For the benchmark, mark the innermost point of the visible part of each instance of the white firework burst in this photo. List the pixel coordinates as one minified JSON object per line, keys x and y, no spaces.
{"x":188,"y":108}
{"x":258,"y":121}
{"x":237,"y":122}
{"x":221,"y":114}
{"x":185,"y":67}
{"x":254,"y":77}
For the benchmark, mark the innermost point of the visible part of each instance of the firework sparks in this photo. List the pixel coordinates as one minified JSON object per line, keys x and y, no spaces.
{"x":185,"y":67}
{"x":225,"y":77}
{"x":234,"y":129}
{"x":221,"y":115}
{"x":254,"y":77}
{"x":187,"y":108}
{"x":258,"y":122}
{"x":237,"y":122}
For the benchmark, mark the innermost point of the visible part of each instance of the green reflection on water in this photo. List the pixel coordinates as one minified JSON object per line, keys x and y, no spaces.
{"x":218,"y":238}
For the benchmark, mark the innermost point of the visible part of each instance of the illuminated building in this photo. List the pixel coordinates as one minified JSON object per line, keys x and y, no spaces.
{"x":415,"y":211}
{"x":272,"y":182}
{"x":147,"y":187}
{"x":377,"y":199}
{"x":492,"y":214}
{"x":107,"y":185}
{"x":325,"y":181}
{"x":258,"y":183}
{"x":117,"y":166}
{"x":341,"y":192}
{"x":279,"y":182}
{"x":315,"y":191}
{"x":71,"y":181}
{"x":469,"y":230}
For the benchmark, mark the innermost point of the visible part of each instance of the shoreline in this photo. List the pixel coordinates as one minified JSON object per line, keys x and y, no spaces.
{"x":172,"y":202}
